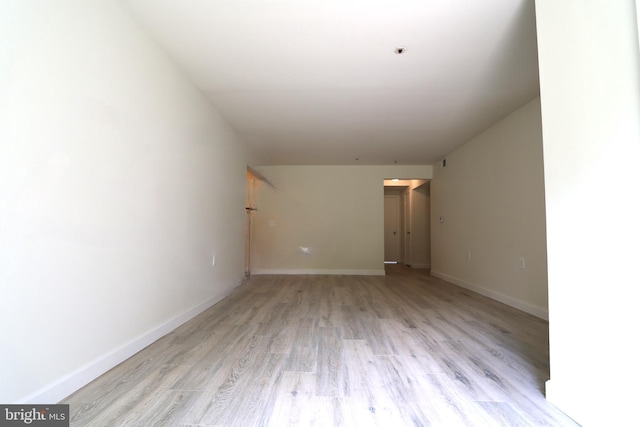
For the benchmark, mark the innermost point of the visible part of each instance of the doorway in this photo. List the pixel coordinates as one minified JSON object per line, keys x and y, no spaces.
{"x":407,"y":217}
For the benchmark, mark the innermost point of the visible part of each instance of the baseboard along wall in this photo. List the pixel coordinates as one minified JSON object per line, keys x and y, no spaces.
{"x":534,"y":310}
{"x":259,"y":272}
{"x":70,"y":383}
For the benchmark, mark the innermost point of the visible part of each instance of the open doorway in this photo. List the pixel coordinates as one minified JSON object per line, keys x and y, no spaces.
{"x":407,"y":211}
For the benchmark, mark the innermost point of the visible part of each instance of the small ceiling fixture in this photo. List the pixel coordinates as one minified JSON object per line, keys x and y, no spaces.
{"x":400,"y":50}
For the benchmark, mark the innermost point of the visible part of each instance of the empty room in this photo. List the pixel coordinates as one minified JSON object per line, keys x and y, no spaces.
{"x":286,"y":213}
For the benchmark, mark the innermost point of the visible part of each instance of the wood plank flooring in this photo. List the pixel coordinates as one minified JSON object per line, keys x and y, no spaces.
{"x":406,"y":349}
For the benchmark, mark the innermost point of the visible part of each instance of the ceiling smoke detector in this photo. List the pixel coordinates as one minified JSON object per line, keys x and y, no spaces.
{"x":400,"y":50}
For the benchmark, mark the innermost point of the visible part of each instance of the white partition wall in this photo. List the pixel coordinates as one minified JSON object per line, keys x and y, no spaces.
{"x":590,"y":91}
{"x":323,"y":219}
{"x":118,"y":185}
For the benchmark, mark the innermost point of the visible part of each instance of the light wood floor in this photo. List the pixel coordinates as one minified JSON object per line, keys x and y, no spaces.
{"x":406,"y":349}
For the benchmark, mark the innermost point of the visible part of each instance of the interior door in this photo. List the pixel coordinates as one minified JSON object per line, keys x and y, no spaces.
{"x":250,"y":208}
{"x":391,"y":228}
{"x":406,"y":227}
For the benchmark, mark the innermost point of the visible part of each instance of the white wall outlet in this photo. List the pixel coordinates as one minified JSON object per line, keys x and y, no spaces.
{"x":213,"y":260}
{"x":469,"y":255}
{"x":522,"y":263}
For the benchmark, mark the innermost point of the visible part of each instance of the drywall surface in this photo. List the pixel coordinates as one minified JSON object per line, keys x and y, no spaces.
{"x":118,"y":184}
{"x":590,"y":91}
{"x":488,"y":217}
{"x":323,"y":219}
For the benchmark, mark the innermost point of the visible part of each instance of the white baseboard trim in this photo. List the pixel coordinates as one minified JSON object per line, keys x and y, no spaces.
{"x":260,"y":272}
{"x":70,"y":383}
{"x":420,"y":265}
{"x":513,"y":302}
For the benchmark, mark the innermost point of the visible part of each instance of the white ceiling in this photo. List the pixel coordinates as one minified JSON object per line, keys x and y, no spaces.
{"x":318,"y":82}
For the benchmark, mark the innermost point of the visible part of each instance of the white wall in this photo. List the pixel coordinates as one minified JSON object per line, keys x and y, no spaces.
{"x":590,"y":91}
{"x":491,"y":195}
{"x":334,"y":211}
{"x":117,"y":186}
